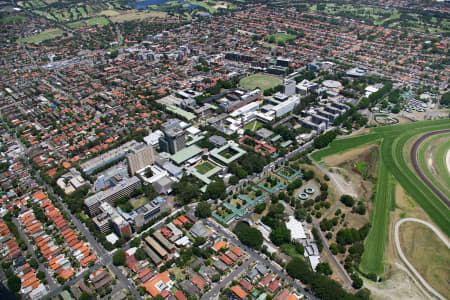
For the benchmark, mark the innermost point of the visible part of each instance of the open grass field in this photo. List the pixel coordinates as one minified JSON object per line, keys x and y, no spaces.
{"x":392,"y":140}
{"x":435,"y":148}
{"x":97,"y":21}
{"x":138,"y":15}
{"x":136,"y":203}
{"x":262,"y":81}
{"x":373,"y":256}
{"x":254,"y":126}
{"x":280,"y":37}
{"x":13,"y":19}
{"x":441,"y":163}
{"x":204,"y":167}
{"x":428,"y":254}
{"x":48,"y":34}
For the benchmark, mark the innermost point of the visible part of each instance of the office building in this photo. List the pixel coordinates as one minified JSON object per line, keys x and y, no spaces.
{"x":116,"y":154}
{"x":124,"y":188}
{"x":149,"y":211}
{"x":120,"y":226}
{"x":288,"y":87}
{"x":140,"y":157}
{"x":286,"y":106}
{"x":174,"y":138}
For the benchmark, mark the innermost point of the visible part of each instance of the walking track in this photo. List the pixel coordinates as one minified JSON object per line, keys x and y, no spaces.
{"x":407,"y":263}
{"x":419,"y":172}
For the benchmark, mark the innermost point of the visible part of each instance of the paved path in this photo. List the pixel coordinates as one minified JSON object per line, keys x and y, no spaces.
{"x":442,"y":236}
{"x":419,"y":172}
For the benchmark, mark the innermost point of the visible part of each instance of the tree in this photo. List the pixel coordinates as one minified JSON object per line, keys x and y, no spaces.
{"x":40,"y":275}
{"x":199,"y":241}
{"x":203,"y":210}
{"x":85,"y":296}
{"x":324,"y":268}
{"x":323,"y":140}
{"x":33,"y":263}
{"x":300,"y":213}
{"x":280,"y":235}
{"x":233,"y":180}
{"x":215,"y":278}
{"x":347,"y":200}
{"x":299,"y":248}
{"x":14,"y":284}
{"x":260,"y":208}
{"x":372,"y":276}
{"x":445,"y":99}
{"x":215,"y":189}
{"x":357,"y":281}
{"x":119,"y":258}
{"x":249,"y":236}
{"x":135,"y":242}
{"x":363,"y":294}
{"x":140,"y":254}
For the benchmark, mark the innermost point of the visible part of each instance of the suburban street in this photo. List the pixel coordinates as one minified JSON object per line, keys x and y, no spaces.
{"x":51,"y":282}
{"x":257,"y":257}
{"x":227,"y":280}
{"x":103,"y":256}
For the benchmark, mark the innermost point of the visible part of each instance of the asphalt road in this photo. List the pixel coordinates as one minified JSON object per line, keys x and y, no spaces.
{"x":405,"y":260}
{"x":104,"y":256}
{"x":345,"y":276}
{"x":51,"y":283}
{"x":212,"y":293}
{"x":255,"y":256}
{"x":413,"y":156}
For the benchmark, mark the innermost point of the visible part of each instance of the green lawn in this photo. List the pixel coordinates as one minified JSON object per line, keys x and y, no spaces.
{"x":136,"y":203}
{"x":254,"y":126}
{"x":43,"y":36}
{"x":76,"y":25}
{"x":280,"y":37}
{"x":204,"y":167}
{"x":393,"y":165}
{"x":441,"y":164}
{"x":13,"y":19}
{"x":392,"y":153}
{"x":439,"y":157}
{"x":97,"y":21}
{"x":89,"y":22}
{"x":262,"y":81}
{"x":373,"y":256}
{"x":362,"y":167}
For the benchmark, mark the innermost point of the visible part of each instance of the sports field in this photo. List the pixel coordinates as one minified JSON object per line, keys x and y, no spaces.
{"x":373,"y":256}
{"x":435,"y":149}
{"x":43,"y":36}
{"x":262,"y":81}
{"x":441,"y":162}
{"x":392,"y":140}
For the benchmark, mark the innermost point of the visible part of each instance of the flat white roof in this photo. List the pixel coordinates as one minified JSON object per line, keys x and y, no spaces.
{"x":296,"y":228}
{"x":314,"y":260}
{"x":112,"y":238}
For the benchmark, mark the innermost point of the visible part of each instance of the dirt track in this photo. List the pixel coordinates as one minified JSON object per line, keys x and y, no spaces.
{"x":405,"y":260}
{"x":419,"y":172}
